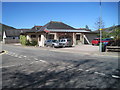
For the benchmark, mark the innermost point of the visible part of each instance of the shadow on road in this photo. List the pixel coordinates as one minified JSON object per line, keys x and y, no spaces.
{"x":70,"y":77}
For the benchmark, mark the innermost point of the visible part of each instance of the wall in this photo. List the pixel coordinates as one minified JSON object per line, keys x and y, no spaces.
{"x":90,"y":37}
{"x":29,"y":37}
{"x":8,"y":41}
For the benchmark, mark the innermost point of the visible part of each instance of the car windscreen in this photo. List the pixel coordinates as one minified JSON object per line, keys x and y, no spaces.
{"x":62,"y":40}
{"x":56,"y":41}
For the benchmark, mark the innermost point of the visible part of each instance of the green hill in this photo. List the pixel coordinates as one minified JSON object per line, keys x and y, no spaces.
{"x":109,"y":29}
{"x":4,"y":27}
{"x":113,"y":31}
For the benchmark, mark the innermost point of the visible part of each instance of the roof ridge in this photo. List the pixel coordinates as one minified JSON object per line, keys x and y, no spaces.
{"x":56,"y":21}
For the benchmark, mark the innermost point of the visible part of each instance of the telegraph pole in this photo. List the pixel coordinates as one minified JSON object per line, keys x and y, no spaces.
{"x":100,"y":45}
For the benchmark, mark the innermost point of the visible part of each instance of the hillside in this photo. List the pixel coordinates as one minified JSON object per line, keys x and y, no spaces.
{"x":109,"y":29}
{"x":4,"y":27}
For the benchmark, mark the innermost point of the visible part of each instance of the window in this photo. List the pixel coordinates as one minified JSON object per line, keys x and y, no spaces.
{"x":51,"y":36}
{"x":77,"y":37}
{"x":33,"y":36}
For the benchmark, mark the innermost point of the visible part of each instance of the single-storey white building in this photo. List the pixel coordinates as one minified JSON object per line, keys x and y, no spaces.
{"x":59,"y":30}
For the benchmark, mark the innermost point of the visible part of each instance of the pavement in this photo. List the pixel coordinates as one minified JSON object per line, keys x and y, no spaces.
{"x":81,"y":49}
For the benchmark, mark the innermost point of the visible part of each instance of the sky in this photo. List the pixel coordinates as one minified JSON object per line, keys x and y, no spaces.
{"x":75,"y":14}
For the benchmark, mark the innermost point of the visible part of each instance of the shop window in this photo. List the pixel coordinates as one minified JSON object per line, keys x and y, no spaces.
{"x":33,"y":36}
{"x":77,"y":37}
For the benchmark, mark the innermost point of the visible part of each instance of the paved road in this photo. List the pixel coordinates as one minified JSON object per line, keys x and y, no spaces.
{"x":25,"y":67}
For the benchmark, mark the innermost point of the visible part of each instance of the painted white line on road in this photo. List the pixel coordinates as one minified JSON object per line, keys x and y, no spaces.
{"x":7,"y":66}
{"x":87,"y":70}
{"x":12,"y":55}
{"x":90,"y":69}
{"x":43,"y":61}
{"x":16,"y":55}
{"x":19,"y":57}
{"x":24,"y":56}
{"x":80,"y":69}
{"x":35,"y":58}
{"x":31,"y":62}
{"x":114,"y":76}
{"x":99,"y":73}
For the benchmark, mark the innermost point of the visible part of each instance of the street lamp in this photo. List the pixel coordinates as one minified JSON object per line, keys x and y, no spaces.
{"x":100,"y":45}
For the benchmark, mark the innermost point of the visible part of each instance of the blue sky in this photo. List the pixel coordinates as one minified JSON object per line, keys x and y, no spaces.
{"x":75,"y":14}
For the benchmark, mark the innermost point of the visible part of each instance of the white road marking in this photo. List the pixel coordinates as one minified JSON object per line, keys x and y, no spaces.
{"x":80,"y":70}
{"x":19,"y":57}
{"x":43,"y":61}
{"x":90,"y":69}
{"x":99,"y":73}
{"x":35,"y":58}
{"x":114,"y":76}
{"x":24,"y":56}
{"x":16,"y":55}
{"x":87,"y":70}
{"x":7,"y":66}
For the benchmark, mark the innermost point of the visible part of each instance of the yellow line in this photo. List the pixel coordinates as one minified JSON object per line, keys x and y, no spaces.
{"x":4,"y":52}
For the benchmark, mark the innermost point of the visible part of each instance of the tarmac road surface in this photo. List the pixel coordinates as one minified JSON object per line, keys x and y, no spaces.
{"x":37,"y":68}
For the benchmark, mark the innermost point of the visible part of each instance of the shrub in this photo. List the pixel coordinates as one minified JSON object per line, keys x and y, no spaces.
{"x":33,"y":43}
{"x":23,"y":40}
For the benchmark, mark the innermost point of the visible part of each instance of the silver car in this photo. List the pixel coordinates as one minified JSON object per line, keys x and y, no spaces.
{"x":65,"y":42}
{"x":52,"y":43}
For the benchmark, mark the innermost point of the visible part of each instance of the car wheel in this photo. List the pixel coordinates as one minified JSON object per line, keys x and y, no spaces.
{"x":53,"y":46}
{"x":46,"y":45}
{"x":93,"y":44}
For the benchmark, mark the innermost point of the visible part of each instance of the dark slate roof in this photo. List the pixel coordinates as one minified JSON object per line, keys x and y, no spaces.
{"x":34,"y":29}
{"x":56,"y":25}
{"x":15,"y":32}
{"x":83,"y":29}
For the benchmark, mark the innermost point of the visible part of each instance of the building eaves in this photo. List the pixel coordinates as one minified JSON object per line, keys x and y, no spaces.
{"x":64,"y":30}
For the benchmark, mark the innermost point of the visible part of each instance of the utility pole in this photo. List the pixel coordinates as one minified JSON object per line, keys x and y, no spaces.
{"x":100,"y":45}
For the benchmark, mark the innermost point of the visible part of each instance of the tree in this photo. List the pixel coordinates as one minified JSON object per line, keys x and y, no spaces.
{"x":86,"y":27}
{"x":116,"y":33}
{"x":105,"y":34}
{"x":99,"y":24}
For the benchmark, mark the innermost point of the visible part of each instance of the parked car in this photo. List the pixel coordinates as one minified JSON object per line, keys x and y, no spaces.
{"x":96,"y":41}
{"x":52,"y":43}
{"x":65,"y":42}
